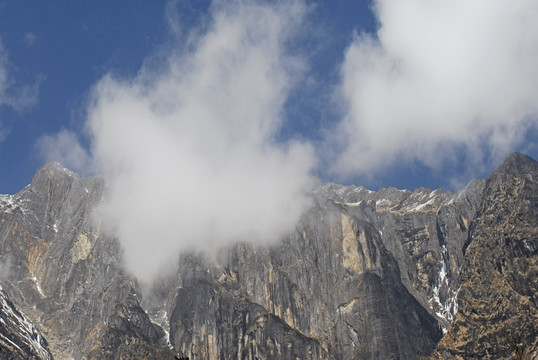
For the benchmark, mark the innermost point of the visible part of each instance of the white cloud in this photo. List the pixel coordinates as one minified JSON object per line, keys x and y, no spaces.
{"x":189,"y":150}
{"x":64,"y":147}
{"x":12,"y":95}
{"x":15,"y":96}
{"x":439,"y":78}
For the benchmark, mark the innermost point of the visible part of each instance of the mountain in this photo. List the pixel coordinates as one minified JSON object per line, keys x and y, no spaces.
{"x":66,"y":275}
{"x":391,"y":274}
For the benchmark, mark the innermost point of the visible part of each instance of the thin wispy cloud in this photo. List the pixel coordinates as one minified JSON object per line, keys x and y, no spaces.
{"x":3,"y":132}
{"x":440,"y":81}
{"x":18,"y":97}
{"x":13,"y":95}
{"x":30,"y":38}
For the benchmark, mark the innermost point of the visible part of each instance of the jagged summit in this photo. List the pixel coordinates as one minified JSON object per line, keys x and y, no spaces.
{"x":517,"y":157}
{"x":54,"y":167}
{"x":517,"y":163}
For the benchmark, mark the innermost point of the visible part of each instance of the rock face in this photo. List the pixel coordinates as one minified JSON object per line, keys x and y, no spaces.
{"x":498,"y":298}
{"x":64,"y":274}
{"x":333,"y":280}
{"x":364,"y":275}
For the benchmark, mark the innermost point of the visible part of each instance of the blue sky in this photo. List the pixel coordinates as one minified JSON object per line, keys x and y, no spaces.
{"x":373,"y":108}
{"x":65,"y":48}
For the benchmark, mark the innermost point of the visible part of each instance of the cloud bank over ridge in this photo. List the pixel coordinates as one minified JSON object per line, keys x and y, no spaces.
{"x":440,"y":80}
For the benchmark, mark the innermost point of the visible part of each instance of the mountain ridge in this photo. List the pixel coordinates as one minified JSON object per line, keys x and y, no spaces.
{"x":363,"y":275}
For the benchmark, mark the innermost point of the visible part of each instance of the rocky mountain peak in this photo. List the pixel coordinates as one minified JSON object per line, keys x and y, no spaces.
{"x":517,"y":164}
{"x":53,"y":172}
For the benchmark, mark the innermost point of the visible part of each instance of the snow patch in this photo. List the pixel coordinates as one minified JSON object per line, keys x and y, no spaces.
{"x":447,"y":309}
{"x":34,"y":279}
{"x":68,"y":172}
{"x":421,"y":206}
{"x":352,"y":204}
{"x":161,"y":318}
{"x":8,"y":203}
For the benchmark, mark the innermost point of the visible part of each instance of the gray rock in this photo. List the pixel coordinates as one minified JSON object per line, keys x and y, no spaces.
{"x":64,"y":272}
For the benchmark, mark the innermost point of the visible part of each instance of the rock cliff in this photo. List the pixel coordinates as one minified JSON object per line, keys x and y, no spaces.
{"x":391,"y":274}
{"x":66,"y":275}
{"x":498,"y":298}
